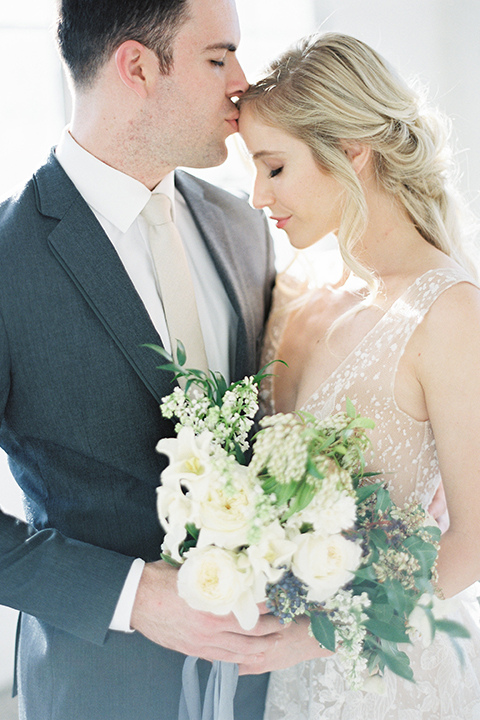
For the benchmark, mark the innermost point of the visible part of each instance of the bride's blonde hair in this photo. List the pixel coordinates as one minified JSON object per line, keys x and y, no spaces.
{"x":332,"y":88}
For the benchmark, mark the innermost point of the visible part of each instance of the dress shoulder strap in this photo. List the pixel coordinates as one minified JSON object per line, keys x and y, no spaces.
{"x":408,"y":311}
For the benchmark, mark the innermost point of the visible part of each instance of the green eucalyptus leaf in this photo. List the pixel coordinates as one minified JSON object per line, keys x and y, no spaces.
{"x":326,"y":443}
{"x":221,"y":384}
{"x":394,"y":631}
{"x":366,"y":573}
{"x":381,"y":612}
{"x":269,"y":484}
{"x":378,"y":537}
{"x":160,"y":350}
{"x":285,"y":492}
{"x":350,"y":407}
{"x":365,"y":491}
{"x":181,"y":354}
{"x":168,"y":559}
{"x":454,"y":629}
{"x":399,"y":664}
{"x":240,"y":455}
{"x":459,"y":650}
{"x":303,"y":497}
{"x":424,"y":552}
{"x":361,"y":422}
{"x":262,"y":374}
{"x":398,"y":597}
{"x":323,"y":630}
{"x":192,"y":530}
{"x":313,"y":470}
{"x":384,"y":502}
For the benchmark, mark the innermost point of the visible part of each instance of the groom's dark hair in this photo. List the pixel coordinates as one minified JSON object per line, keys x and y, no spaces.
{"x":89,"y":31}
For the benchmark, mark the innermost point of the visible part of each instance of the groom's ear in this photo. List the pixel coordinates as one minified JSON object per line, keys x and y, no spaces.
{"x":137,"y":67}
{"x":358,"y":154}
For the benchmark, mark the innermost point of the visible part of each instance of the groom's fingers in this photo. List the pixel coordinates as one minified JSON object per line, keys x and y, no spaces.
{"x":163,"y":617}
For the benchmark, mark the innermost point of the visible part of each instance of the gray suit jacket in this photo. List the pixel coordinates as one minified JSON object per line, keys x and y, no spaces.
{"x":79,"y":400}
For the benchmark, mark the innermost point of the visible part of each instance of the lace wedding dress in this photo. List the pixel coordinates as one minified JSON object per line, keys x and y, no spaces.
{"x":405,"y":449}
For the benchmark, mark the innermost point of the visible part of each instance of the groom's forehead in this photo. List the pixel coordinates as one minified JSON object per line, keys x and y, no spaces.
{"x":211,"y":25}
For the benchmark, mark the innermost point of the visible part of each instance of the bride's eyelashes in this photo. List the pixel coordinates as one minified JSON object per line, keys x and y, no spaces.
{"x":275,"y":172}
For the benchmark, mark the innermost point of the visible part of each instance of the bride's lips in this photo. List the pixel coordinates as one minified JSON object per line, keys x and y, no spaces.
{"x":281,"y":222}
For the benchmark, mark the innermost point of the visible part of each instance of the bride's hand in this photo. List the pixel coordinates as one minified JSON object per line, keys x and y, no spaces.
{"x":438,"y":508}
{"x":294,"y":645}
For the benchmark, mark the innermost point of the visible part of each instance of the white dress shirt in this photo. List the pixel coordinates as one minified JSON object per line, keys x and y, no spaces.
{"x":117,"y":200}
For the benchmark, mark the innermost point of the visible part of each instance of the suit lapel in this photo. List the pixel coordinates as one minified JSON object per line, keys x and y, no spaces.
{"x":82,"y":248}
{"x":223,"y":247}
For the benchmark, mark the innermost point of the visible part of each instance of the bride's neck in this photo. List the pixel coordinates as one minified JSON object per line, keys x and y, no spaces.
{"x":391,"y":245}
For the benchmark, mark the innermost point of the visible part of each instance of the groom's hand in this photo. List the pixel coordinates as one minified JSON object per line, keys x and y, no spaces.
{"x":294,"y":645}
{"x":163,"y":617}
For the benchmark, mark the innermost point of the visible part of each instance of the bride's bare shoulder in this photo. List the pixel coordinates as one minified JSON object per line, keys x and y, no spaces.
{"x":456,"y":310}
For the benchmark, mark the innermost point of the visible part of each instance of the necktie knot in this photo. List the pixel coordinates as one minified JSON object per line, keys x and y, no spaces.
{"x":158,"y":210}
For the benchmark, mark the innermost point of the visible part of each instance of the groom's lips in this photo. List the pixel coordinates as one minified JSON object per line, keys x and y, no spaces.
{"x":233,"y":122}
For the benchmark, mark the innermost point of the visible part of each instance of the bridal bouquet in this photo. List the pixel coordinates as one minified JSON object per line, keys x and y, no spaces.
{"x":301,"y":526}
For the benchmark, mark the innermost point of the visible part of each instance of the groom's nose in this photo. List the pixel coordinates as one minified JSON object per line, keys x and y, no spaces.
{"x":237,"y":82}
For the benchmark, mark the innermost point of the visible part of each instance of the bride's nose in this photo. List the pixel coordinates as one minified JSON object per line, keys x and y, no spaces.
{"x":262,"y":196}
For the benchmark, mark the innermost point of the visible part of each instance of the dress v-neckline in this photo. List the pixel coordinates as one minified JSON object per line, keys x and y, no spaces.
{"x":368,"y":335}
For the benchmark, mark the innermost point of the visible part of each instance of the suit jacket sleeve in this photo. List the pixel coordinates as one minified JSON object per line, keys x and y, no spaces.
{"x":40,"y":572}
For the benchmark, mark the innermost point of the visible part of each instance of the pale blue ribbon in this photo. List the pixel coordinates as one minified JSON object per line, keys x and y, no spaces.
{"x":219,"y":695}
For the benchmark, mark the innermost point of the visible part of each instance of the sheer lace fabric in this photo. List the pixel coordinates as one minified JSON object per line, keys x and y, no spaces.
{"x":404,"y":449}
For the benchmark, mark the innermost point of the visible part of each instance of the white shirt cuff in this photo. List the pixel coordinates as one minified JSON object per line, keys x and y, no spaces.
{"x":123,"y":611}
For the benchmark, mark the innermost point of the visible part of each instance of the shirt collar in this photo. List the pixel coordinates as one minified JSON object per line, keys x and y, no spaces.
{"x":116,"y":196}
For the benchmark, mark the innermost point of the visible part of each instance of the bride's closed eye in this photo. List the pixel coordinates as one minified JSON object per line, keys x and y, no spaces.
{"x":275,"y":172}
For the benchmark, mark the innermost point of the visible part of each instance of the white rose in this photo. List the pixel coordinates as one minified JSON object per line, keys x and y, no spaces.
{"x":220,"y":581}
{"x":225,"y":512}
{"x":273,"y":553}
{"x":374,"y":684}
{"x":419,"y":621}
{"x":325,"y":564}
{"x":419,"y":618}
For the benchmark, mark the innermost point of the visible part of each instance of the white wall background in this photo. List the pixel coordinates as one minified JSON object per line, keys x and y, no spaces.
{"x":437,"y":40}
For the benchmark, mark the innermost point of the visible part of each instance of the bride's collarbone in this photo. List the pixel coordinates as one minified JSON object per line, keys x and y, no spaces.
{"x":316,"y":340}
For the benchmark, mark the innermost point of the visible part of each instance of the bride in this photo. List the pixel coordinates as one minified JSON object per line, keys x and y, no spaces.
{"x":341,"y":145}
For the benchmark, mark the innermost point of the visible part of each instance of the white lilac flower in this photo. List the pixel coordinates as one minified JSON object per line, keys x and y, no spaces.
{"x":346,"y":611}
{"x":281,"y":448}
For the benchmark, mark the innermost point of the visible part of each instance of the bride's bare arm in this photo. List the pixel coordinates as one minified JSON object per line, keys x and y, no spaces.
{"x":448,"y":370}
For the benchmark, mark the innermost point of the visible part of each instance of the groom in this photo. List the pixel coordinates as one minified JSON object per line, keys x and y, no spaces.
{"x":153,"y":82}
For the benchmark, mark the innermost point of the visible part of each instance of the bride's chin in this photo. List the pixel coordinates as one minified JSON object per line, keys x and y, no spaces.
{"x":300,"y":244}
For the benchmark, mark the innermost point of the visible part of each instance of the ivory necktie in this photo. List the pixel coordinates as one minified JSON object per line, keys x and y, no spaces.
{"x":174,"y":281}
